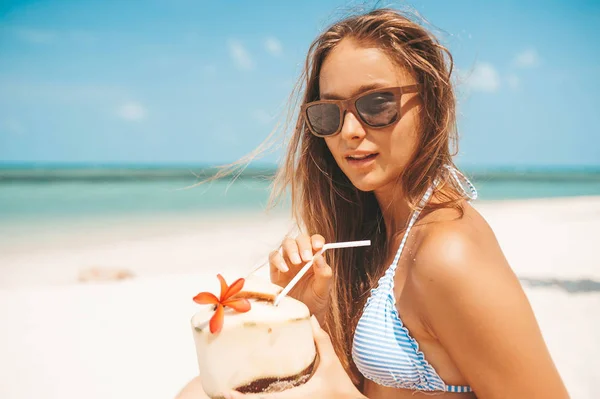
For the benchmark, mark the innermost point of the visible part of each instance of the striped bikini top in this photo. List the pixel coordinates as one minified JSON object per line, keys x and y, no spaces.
{"x":383,"y":349}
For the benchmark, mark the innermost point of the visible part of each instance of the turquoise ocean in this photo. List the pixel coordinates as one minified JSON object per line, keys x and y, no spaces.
{"x":34,"y":193}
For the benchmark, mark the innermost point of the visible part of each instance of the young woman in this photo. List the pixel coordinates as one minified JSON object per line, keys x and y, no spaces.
{"x":431,"y":307}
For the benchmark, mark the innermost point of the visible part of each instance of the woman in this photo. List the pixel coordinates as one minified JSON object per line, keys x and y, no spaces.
{"x":431,"y":307}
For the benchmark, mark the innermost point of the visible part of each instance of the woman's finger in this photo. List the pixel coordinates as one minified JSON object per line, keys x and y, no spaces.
{"x":292,"y":393}
{"x":317,"y":241}
{"x":290,"y":250}
{"x":323,"y":274}
{"x":239,"y":395}
{"x":277,"y":263}
{"x":305,"y":247}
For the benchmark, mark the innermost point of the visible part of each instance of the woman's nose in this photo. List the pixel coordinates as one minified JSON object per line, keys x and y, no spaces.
{"x":352,"y":129}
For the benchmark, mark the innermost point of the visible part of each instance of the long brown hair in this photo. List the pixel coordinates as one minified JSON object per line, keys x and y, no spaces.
{"x":323,"y":199}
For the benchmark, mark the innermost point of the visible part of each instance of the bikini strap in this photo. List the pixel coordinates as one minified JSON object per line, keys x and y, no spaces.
{"x":413,"y":219}
{"x":459,"y":178}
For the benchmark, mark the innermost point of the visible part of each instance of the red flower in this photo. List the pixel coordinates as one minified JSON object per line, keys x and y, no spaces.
{"x":241,"y":305}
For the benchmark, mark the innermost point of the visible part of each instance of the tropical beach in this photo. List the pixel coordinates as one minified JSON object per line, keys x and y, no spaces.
{"x":89,"y":307}
{"x":112,"y":114}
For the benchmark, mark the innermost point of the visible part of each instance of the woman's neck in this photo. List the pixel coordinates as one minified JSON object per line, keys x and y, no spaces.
{"x":394,"y":208}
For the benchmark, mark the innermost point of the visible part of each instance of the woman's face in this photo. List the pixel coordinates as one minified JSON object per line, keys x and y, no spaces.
{"x":348,"y":70}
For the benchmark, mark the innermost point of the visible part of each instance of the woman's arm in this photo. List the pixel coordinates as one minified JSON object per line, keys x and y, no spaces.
{"x":474,"y":304}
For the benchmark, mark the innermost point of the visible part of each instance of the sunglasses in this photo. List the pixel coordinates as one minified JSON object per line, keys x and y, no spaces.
{"x":376,"y":108}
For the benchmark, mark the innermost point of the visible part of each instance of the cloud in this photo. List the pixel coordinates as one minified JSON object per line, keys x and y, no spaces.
{"x":262,"y":117}
{"x":483,"y":77}
{"x":39,"y":36}
{"x":240,"y":55}
{"x":527,"y":59}
{"x":273,"y":46}
{"x":132,"y":111}
{"x":35,"y":36}
{"x":60,"y":92}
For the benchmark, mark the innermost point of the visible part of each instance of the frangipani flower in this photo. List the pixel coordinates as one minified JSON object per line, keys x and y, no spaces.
{"x":241,"y":305}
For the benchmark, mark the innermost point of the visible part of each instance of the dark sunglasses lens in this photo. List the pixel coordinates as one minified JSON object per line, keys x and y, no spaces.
{"x":378,"y":109}
{"x":324,"y":119}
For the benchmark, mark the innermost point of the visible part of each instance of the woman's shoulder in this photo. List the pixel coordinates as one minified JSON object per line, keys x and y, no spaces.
{"x":459,"y":271}
{"x":470,"y":301}
{"x":454,"y":248}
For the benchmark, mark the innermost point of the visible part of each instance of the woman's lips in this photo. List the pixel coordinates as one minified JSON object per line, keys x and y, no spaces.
{"x":361,"y":160}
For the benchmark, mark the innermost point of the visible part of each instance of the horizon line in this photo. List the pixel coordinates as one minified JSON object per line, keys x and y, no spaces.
{"x":476,"y":167}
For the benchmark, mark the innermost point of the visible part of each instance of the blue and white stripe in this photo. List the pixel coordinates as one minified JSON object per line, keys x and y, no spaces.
{"x":383,"y":349}
{"x":459,"y":178}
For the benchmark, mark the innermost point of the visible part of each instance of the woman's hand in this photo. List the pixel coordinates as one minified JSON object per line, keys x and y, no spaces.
{"x":330,"y":381}
{"x":313,"y":287}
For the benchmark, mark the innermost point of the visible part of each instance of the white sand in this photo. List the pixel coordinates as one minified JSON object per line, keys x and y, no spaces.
{"x":63,"y":339}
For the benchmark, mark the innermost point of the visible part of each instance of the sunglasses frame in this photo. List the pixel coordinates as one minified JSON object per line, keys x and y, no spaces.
{"x":349,"y":104}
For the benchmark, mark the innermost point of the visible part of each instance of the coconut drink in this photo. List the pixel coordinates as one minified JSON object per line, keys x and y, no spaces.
{"x":246,"y":343}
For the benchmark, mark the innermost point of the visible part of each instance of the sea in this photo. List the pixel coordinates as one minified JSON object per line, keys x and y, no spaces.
{"x":33,"y":193}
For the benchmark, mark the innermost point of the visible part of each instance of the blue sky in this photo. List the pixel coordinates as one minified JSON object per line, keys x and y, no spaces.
{"x":182,"y":81}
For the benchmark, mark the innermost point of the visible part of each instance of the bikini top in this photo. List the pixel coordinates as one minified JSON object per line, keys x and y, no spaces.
{"x":383,"y":349}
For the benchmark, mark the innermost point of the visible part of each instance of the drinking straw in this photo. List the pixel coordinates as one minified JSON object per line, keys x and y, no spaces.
{"x":332,"y":245}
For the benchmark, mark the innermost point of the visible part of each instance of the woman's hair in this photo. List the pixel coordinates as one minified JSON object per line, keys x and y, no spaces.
{"x":323,"y":199}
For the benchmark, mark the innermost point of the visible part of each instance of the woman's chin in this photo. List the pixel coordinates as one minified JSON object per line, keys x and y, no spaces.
{"x":366,"y":185}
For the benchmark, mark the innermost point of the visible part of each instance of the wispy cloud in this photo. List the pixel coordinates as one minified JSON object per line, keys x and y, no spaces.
{"x":273,"y":46}
{"x":34,"y":35}
{"x":59,"y":92}
{"x":132,"y":111}
{"x":38,"y":36}
{"x":483,"y":77}
{"x":262,"y":117}
{"x":240,"y":55}
{"x":527,"y":59}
